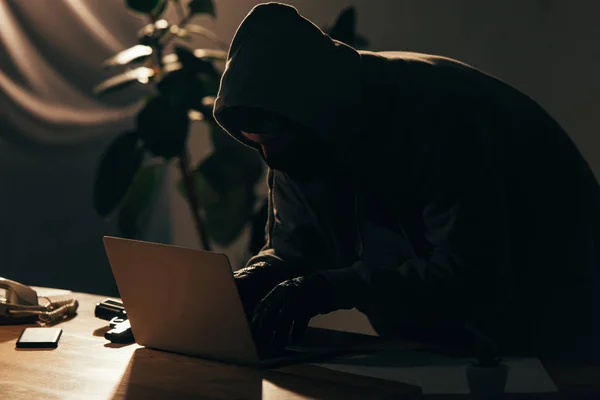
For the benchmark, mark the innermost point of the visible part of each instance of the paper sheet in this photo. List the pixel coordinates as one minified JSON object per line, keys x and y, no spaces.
{"x":437,"y":374}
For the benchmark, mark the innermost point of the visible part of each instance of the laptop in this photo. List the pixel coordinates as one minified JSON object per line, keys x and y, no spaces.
{"x":185,"y":301}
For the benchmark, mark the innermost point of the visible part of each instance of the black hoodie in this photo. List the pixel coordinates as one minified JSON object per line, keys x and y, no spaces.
{"x":281,"y":62}
{"x":466,"y":202}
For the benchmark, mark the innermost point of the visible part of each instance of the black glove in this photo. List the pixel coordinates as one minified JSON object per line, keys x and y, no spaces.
{"x":283,"y":315}
{"x":255,"y":281}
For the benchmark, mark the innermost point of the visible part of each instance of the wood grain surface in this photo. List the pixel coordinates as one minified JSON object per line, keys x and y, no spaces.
{"x":86,"y":366}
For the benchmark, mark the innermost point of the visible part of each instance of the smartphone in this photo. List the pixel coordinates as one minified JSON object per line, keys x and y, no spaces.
{"x":39,"y":338}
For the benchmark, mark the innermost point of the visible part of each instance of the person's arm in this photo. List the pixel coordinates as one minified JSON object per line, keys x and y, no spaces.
{"x":467,"y":226}
{"x":287,"y":229}
{"x":310,"y":224}
{"x":304,"y":234}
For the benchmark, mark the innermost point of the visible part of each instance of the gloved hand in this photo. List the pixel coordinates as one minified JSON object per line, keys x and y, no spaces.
{"x":283,"y":315}
{"x":255,"y":281}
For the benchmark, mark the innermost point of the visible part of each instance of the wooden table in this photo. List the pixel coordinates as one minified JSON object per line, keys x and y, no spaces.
{"x":86,"y":366}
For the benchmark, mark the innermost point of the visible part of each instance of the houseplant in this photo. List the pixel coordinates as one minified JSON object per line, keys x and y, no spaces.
{"x":220,"y":190}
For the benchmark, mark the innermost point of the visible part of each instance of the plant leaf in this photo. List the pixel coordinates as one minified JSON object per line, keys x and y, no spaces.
{"x":206,"y":33}
{"x":200,"y":31}
{"x":204,"y":54}
{"x":344,"y":29}
{"x":154,"y":29}
{"x":194,"y":115}
{"x":115,"y":173}
{"x":225,"y":187}
{"x":223,"y":175}
{"x":194,"y":74}
{"x":211,"y":54}
{"x":135,"y":54}
{"x":175,"y":87}
{"x":138,"y":198}
{"x":144,"y":6}
{"x":189,"y":60}
{"x":225,"y":214}
{"x":202,"y":7}
{"x":207,"y":195}
{"x":359,"y":42}
{"x":181,"y":33}
{"x":225,"y":221}
{"x":185,"y":89}
{"x":141,"y":75}
{"x":158,"y":11}
{"x":211,"y":89}
{"x":198,"y":77}
{"x":163,"y":129}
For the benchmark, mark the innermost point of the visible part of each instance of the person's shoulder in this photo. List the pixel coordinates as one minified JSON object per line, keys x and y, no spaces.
{"x":410,"y":57}
{"x":420,"y":71}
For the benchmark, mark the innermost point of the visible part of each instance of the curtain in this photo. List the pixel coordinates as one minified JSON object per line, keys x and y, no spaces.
{"x":53,"y":132}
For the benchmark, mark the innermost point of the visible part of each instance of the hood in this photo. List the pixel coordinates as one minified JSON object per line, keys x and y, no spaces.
{"x":282,"y":63}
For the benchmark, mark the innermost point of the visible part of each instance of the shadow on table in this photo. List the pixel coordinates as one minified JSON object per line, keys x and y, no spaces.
{"x":11,"y":330}
{"x":101,"y":331}
{"x":35,"y":349}
{"x":7,"y":335}
{"x":111,"y":345}
{"x":155,"y":374}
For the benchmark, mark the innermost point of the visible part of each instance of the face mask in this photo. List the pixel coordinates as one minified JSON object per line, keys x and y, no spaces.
{"x":299,"y":153}
{"x":301,"y":159}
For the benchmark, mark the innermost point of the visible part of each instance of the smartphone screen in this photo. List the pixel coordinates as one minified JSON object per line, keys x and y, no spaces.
{"x":39,"y":338}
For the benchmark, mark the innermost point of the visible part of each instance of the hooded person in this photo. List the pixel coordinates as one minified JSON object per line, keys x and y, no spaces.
{"x":433,"y":197}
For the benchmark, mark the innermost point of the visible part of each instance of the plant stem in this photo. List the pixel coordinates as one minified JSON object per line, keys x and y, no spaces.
{"x":158,"y":48}
{"x":159,"y":57}
{"x":169,"y":36}
{"x":192,"y":198}
{"x":180,"y":12}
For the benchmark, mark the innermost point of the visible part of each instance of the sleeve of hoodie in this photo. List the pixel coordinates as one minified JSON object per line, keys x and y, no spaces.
{"x":286,"y":235}
{"x":301,"y":226}
{"x":465,"y":217}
